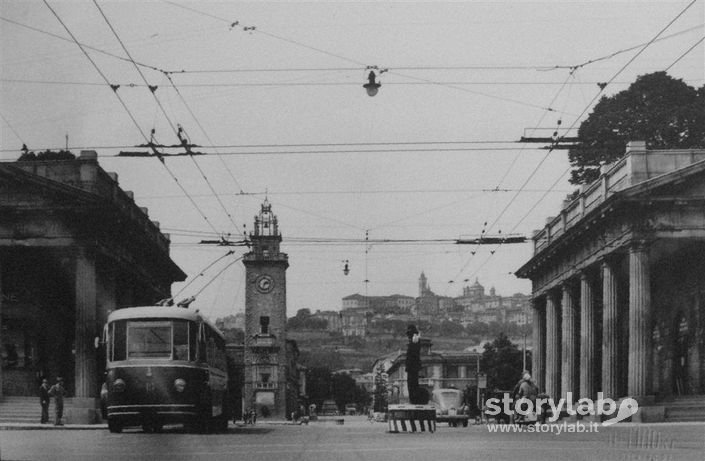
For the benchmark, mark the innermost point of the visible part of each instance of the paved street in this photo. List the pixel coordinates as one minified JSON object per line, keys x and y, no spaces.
{"x":358,"y":439}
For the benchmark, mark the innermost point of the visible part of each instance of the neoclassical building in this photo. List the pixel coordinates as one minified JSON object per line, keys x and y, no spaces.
{"x":619,"y":283}
{"x":73,"y":246}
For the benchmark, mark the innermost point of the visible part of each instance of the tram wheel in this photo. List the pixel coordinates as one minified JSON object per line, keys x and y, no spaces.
{"x":114,"y":426}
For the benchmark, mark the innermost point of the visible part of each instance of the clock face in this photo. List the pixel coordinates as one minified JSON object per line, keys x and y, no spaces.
{"x":264,"y":283}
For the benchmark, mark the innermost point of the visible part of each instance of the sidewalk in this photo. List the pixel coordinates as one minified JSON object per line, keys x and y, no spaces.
{"x":357,"y":420}
{"x":49,"y":427}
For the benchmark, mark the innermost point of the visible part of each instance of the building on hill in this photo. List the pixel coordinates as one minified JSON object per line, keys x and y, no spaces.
{"x":355,"y":322}
{"x":473,"y":306}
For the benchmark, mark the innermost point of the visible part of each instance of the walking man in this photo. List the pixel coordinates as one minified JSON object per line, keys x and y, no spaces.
{"x":44,"y":400}
{"x":58,"y":391}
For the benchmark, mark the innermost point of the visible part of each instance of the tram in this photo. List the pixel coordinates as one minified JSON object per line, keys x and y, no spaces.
{"x":165,"y":365}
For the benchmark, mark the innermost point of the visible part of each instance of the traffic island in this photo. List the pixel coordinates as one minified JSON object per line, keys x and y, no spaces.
{"x":411,"y":418}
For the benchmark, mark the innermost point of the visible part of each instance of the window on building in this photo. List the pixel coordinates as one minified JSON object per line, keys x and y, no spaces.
{"x":452,"y":371}
{"x":264,"y":325}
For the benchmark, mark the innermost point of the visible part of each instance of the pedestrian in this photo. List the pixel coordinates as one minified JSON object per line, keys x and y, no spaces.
{"x":527,"y":390}
{"x":44,"y":400}
{"x":58,"y":391}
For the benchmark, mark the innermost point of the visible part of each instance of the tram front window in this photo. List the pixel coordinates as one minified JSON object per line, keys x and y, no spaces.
{"x":149,"y":340}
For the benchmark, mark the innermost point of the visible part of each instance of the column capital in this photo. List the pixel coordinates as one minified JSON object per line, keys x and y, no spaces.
{"x":610,"y":260}
{"x":636,"y":245}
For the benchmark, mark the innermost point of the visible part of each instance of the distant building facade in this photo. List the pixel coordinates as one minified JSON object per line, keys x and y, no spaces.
{"x":440,"y":369}
{"x":472,"y":306}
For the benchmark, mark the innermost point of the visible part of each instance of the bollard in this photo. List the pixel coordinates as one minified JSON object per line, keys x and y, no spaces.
{"x":411,"y":418}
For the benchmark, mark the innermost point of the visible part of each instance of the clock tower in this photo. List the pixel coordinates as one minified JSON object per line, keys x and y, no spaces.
{"x":266,"y":364}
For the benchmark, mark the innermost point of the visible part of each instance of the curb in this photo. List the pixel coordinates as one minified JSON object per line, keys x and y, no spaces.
{"x":49,"y":427}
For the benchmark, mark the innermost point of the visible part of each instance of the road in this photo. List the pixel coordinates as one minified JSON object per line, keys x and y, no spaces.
{"x":358,"y":440}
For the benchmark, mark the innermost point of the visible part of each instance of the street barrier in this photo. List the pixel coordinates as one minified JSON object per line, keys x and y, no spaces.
{"x":411,"y":418}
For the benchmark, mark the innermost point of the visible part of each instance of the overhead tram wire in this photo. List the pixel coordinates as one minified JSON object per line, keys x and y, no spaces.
{"x":202,"y":271}
{"x":587,"y":107}
{"x":203,"y":130}
{"x":254,"y":29}
{"x":17,"y":135}
{"x":268,"y":34}
{"x":216,"y":276}
{"x":308,"y":84}
{"x":684,"y":54}
{"x":127,"y":109}
{"x":92,"y":48}
{"x":176,"y":132}
{"x":537,"y":67}
{"x":523,"y":186}
{"x":302,"y":145}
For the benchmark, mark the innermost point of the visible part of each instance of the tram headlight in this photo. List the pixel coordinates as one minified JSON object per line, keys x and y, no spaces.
{"x":119,"y":385}
{"x":179,"y":385}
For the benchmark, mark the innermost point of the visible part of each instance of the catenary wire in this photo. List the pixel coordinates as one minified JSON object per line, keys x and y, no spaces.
{"x":154,"y":94}
{"x":124,"y":105}
{"x":601,"y":89}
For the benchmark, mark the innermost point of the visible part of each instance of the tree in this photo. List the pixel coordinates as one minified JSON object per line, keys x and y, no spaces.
{"x":449,"y":328}
{"x":28,"y":156}
{"x":502,"y":362}
{"x":656,"y":108}
{"x":322,"y":358}
{"x":304,"y":320}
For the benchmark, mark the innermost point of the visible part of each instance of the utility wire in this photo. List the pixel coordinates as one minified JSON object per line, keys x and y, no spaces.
{"x":7,"y":122}
{"x":538,"y":67}
{"x":295,"y":84}
{"x":203,"y":130}
{"x":684,"y":54}
{"x":97,"y":50}
{"x":511,"y":166}
{"x":176,"y":131}
{"x":202,"y":271}
{"x":307,"y":145}
{"x":100,"y":72}
{"x":587,"y":107}
{"x":127,"y":109}
{"x":216,"y":276}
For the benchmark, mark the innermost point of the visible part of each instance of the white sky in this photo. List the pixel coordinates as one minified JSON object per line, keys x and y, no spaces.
{"x":468,"y":72}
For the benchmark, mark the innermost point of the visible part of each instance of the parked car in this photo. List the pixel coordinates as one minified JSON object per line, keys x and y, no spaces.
{"x":350,"y":409}
{"x":450,"y":407}
{"x":329,"y":408}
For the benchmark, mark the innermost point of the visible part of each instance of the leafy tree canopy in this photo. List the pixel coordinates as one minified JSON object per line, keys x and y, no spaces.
{"x":46,"y":155}
{"x":501,"y":361}
{"x":304,"y":320}
{"x":657,"y":108}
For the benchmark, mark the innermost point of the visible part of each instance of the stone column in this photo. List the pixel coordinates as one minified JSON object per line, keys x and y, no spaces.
{"x":568,"y":370}
{"x":538,"y":356}
{"x":639,"y":320}
{"x":610,"y":331}
{"x":587,"y":338}
{"x":85,"y":289}
{"x":553,"y":347}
